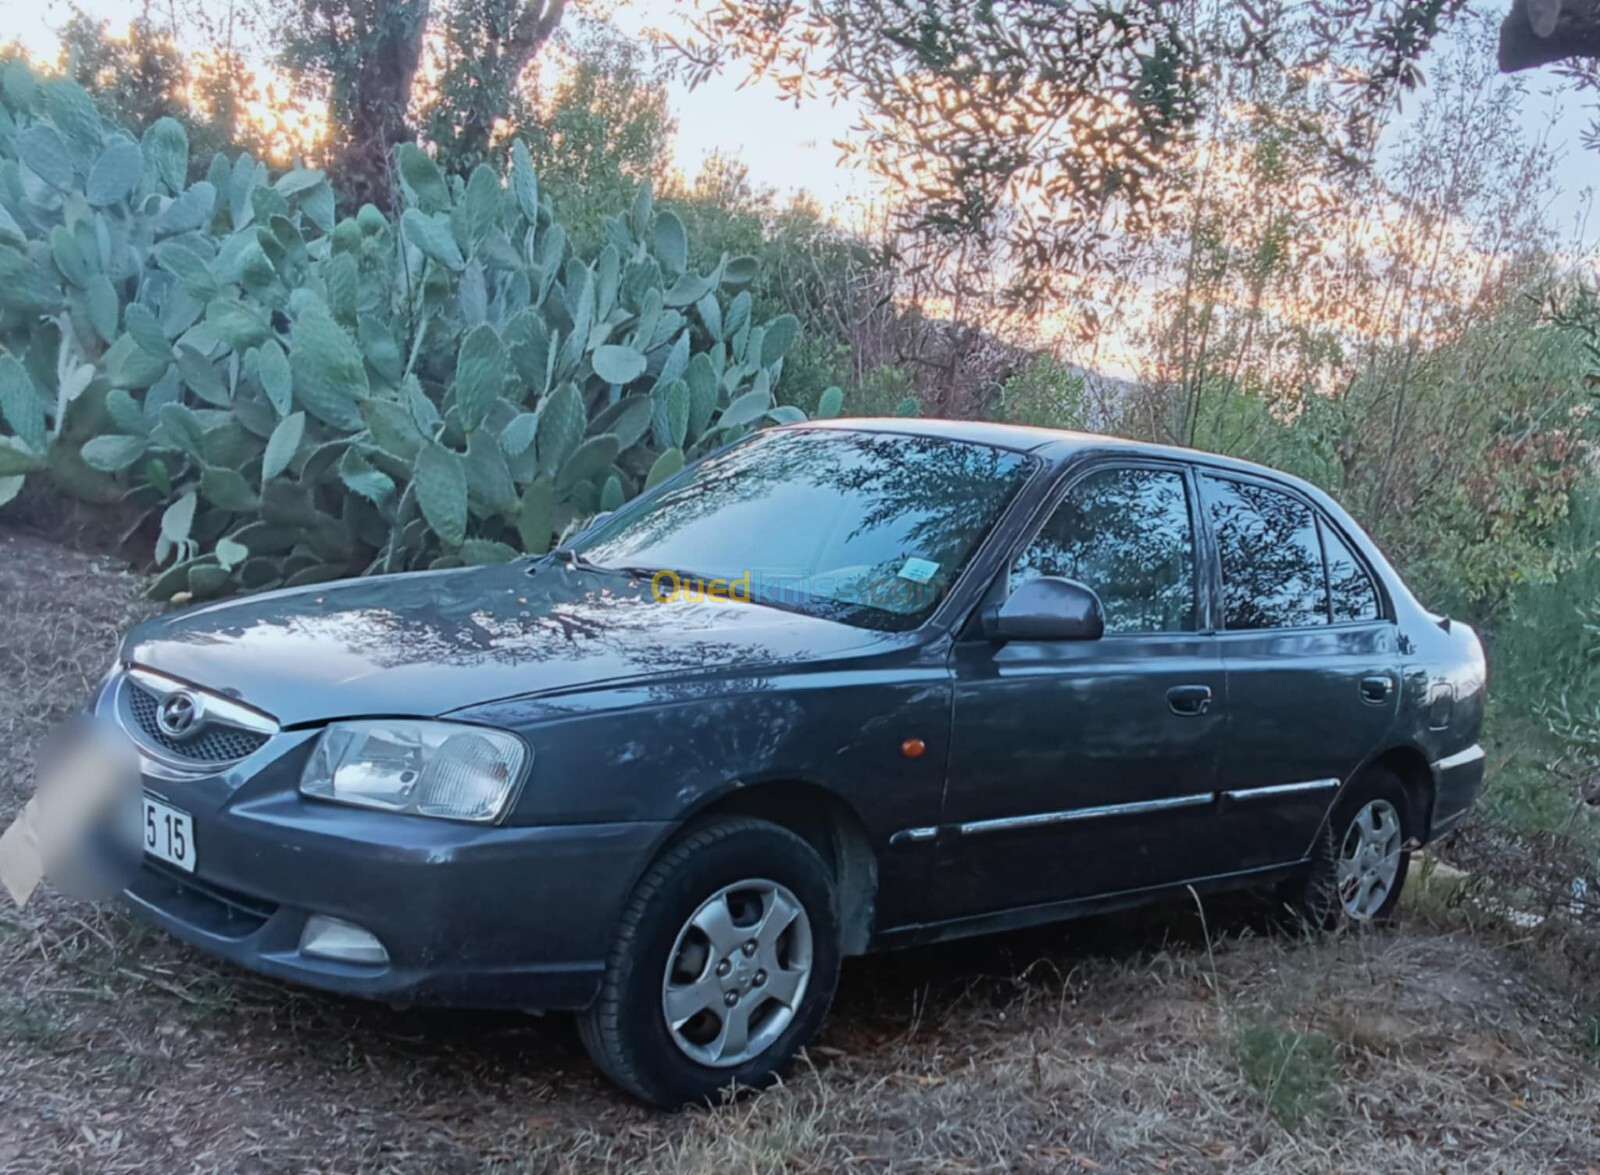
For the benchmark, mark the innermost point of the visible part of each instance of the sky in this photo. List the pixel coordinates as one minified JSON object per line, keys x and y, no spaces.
{"x":791,"y":148}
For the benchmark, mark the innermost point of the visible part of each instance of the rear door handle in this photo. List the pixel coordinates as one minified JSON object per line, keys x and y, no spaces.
{"x":1376,"y":688}
{"x":1189,"y":700}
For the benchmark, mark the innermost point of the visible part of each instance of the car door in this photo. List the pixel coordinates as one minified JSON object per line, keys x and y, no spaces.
{"x":1088,"y":767}
{"x":1311,"y":659}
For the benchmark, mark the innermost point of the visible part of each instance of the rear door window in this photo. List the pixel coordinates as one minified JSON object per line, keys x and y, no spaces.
{"x":1351,"y":592}
{"x":1272,"y":569}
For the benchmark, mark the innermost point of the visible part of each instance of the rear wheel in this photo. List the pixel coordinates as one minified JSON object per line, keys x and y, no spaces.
{"x":1360,"y":864}
{"x":723,"y":967}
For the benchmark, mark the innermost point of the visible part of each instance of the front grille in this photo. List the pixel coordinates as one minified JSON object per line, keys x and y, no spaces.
{"x":215,"y":743}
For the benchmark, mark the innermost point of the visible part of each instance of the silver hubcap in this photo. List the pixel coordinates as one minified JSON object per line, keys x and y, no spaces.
{"x":1369,"y":859}
{"x":737,"y":973}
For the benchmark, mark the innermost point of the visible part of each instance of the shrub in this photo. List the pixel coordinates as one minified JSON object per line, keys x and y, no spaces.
{"x":302,"y":397}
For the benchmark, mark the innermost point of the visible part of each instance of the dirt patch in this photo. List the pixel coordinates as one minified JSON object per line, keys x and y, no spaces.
{"x":1151,"y":1041}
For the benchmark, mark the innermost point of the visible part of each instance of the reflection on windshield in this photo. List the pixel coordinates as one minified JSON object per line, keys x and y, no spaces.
{"x":867,"y":528}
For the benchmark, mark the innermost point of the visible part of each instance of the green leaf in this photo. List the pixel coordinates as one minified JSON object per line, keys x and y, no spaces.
{"x":643,"y":204}
{"x":701,"y":377}
{"x":191,"y":210}
{"x":15,"y":458}
{"x":441,"y":483}
{"x":535,"y":523}
{"x":480,"y":552}
{"x":830,"y":403}
{"x":236,"y":324}
{"x":20,"y":403}
{"x":588,"y":461}
{"x":741,"y":271}
{"x":342,"y":282}
{"x":393,"y":429}
{"x":480,"y":375}
{"x":126,"y":413}
{"x":627,"y":420}
{"x":433,"y":237}
{"x":672,"y":243}
{"x":74,"y":112}
{"x":230,"y":553}
{"x":686,"y":291}
{"x":201,"y":375}
{"x":779,"y":337}
{"x":42,"y":151}
{"x":747,"y":409}
{"x":665,"y":466}
{"x":241,"y":184}
{"x":618,"y":365}
{"x":176,"y":522}
{"x":480,"y":205}
{"x":180,"y":423}
{"x":738,"y":316}
{"x":675,"y":398}
{"x":423,"y":177}
{"x":611,"y":494}
{"x":146,"y":331}
{"x":518,"y":435}
{"x":111,"y":453}
{"x":525,"y":181}
{"x":710,"y":311}
{"x":103,"y":304}
{"x":301,"y":179}
{"x":116,"y":174}
{"x":562,"y":422}
{"x":272,"y":369}
{"x":10,"y":487}
{"x":329,"y":377}
{"x":488,"y":476}
{"x":361,"y":478}
{"x":166,"y":151}
{"x":228,"y":489}
{"x":282,"y":445}
{"x":189,"y":268}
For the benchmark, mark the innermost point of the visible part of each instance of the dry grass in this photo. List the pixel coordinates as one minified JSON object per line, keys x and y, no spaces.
{"x":1142,"y":1042}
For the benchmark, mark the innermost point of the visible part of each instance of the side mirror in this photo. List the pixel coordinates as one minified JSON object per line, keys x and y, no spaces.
{"x":1049,"y":608}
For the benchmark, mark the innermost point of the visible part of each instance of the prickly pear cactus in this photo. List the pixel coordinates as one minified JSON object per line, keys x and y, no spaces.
{"x":298,"y":395}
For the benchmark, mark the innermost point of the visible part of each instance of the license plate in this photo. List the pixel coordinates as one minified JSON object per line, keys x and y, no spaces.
{"x":168,"y":834}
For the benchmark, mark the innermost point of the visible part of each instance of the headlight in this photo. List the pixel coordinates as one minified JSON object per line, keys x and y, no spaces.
{"x":444,"y":769}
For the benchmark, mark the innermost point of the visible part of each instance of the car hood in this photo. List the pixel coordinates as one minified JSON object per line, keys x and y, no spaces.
{"x":427,"y":643}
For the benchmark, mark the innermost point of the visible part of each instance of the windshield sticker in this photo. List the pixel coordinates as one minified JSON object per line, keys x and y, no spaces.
{"x":919,"y":570}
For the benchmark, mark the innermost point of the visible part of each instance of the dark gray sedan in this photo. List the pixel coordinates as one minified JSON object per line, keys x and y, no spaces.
{"x":833,"y":689}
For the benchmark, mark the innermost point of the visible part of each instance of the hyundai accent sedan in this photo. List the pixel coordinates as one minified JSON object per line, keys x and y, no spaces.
{"x":836,"y":688}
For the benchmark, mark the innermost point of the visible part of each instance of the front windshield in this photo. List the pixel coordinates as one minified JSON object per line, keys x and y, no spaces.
{"x":864,"y":527}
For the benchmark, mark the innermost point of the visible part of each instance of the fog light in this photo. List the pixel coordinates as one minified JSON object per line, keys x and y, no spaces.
{"x":329,"y":938}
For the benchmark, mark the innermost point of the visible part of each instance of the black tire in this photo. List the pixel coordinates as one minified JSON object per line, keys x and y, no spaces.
{"x":1313,"y":897}
{"x":626,"y":1029}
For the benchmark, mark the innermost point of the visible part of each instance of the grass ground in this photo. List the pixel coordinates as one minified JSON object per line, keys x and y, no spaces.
{"x":1170,"y":1040}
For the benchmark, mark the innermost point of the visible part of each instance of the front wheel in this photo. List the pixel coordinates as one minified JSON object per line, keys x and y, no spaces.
{"x":1359,"y":867}
{"x":723,"y":967}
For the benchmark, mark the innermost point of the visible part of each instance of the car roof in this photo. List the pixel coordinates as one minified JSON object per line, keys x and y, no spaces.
{"x":1052,"y":444}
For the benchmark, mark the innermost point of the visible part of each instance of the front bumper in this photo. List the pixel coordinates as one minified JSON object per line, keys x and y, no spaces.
{"x":470,"y":915}
{"x":509,"y":918}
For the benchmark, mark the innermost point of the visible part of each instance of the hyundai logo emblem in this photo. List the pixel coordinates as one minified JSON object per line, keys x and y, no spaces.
{"x":179,"y":714}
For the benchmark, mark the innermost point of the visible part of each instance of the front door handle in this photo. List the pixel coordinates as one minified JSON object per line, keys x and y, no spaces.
{"x":1376,"y":688}
{"x":1189,"y":700}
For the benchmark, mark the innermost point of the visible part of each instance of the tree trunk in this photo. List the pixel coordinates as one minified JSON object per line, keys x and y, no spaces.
{"x":1538,"y":32}
{"x":535,"y":24}
{"x":377,"y":99}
